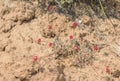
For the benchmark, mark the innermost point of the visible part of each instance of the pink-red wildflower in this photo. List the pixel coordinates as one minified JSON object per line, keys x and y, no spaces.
{"x":76,"y":48}
{"x":95,"y":48}
{"x":71,"y":36}
{"x":35,"y":58}
{"x":38,"y":40}
{"x":107,"y":70}
{"x":51,"y":8}
{"x":49,"y":26}
{"x":75,"y":24}
{"x":50,"y":44}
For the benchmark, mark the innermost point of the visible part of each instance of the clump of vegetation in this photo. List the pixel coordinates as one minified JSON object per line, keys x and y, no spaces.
{"x":103,"y":8}
{"x":81,"y":52}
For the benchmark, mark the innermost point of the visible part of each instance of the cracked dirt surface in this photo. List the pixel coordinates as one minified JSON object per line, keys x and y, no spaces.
{"x":22,"y":23}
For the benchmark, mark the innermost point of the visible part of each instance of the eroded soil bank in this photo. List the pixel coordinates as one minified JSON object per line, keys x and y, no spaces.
{"x":23,"y":23}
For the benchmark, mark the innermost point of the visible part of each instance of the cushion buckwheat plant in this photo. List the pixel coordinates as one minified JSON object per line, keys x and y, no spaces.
{"x":81,"y":51}
{"x":85,"y":55}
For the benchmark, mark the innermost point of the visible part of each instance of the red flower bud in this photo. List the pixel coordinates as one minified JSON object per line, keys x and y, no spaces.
{"x":35,"y":58}
{"x":49,"y":26}
{"x":76,"y":48}
{"x":71,"y":36}
{"x":39,"y":40}
{"x":107,"y":70}
{"x":96,"y":48}
{"x":75,"y":24}
{"x":51,"y":8}
{"x":50,"y":44}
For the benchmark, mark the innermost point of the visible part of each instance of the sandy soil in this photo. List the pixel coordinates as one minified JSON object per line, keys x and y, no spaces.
{"x":22,"y":23}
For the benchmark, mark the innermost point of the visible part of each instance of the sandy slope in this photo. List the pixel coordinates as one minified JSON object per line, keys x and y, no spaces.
{"x":23,"y":23}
